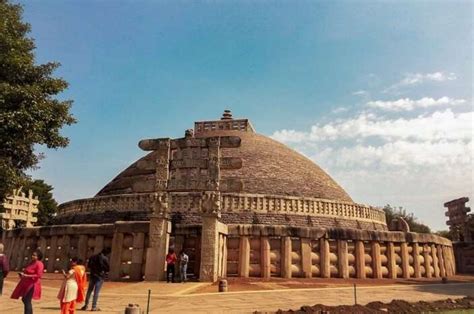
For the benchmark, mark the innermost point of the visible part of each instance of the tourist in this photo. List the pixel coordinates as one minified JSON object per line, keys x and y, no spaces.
{"x":29,"y":286}
{"x":99,"y":267}
{"x":72,"y":289}
{"x":4,"y":268}
{"x":183,"y":265}
{"x":170,"y":262}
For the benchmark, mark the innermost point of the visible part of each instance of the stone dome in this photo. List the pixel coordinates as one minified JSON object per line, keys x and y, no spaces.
{"x":268,"y":167}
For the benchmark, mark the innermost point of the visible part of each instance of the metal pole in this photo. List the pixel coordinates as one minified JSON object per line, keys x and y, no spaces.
{"x":355,"y":295}
{"x":148,"y":302}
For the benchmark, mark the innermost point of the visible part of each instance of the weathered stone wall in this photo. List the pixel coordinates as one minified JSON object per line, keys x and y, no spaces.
{"x":245,"y":250}
{"x":127,"y":241}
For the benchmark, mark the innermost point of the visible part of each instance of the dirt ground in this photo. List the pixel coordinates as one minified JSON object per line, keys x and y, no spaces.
{"x":396,"y":306}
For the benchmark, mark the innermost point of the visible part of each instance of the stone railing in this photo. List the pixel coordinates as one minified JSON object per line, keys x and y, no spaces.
{"x":230,"y":203}
{"x":300,"y":206}
{"x":268,"y":204}
{"x":123,"y":202}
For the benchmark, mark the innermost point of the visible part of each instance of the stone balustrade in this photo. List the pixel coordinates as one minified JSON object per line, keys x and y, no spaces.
{"x":245,"y":250}
{"x":268,"y":251}
{"x":231,"y":203}
{"x":123,"y":202}
{"x":299,"y":206}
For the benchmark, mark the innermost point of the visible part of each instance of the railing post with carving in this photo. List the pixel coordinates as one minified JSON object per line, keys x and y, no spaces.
{"x":160,"y":225}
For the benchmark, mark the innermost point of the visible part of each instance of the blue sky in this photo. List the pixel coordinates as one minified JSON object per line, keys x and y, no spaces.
{"x":327,"y":78}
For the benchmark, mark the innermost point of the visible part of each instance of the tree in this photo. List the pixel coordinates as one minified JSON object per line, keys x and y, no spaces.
{"x":29,"y":112}
{"x":415,"y":226}
{"x":47,"y":206}
{"x":444,"y":233}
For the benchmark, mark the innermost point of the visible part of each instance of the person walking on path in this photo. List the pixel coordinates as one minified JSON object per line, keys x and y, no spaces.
{"x":99,"y":267}
{"x":29,"y":286}
{"x":170,"y":262}
{"x":4,"y":267}
{"x":72,"y":289}
{"x":183,"y":265}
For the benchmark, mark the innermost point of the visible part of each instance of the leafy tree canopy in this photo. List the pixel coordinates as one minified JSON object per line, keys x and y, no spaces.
{"x":47,"y":207}
{"x":29,"y":113}
{"x":444,"y":233}
{"x":415,"y":226}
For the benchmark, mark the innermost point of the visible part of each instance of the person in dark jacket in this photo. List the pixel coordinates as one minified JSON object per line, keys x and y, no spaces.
{"x":4,"y":267}
{"x":99,"y":267}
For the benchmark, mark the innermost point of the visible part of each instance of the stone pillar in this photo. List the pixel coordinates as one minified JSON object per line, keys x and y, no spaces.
{"x":211,"y":228}
{"x":209,"y":249}
{"x":21,"y":254}
{"x":42,"y":245}
{"x":82,"y":247}
{"x":158,"y":241}
{"x":426,"y":256}
{"x":224,"y":257}
{"x":286,"y":257}
{"x":360,"y":259}
{"x":446,"y":261}
{"x":137,"y":256}
{"x":451,"y":253}
{"x":392,"y":264}
{"x":99,"y":244}
{"x":324,"y":257}
{"x":376,"y":260}
{"x":11,"y":253}
{"x":405,"y":260}
{"x":306,"y":257}
{"x":416,"y":260}
{"x":244,"y":257}
{"x":434,"y":255}
{"x":449,"y":261}
{"x":442,"y":269}
{"x":265,"y":255}
{"x":116,"y":256}
{"x":343,"y":263}
{"x":52,"y":254}
{"x":65,"y":251}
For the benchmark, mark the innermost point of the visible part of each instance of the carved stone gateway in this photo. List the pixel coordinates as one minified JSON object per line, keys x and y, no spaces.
{"x":459,"y":219}
{"x":190,"y":165}
{"x":461,"y":227}
{"x":19,"y":207}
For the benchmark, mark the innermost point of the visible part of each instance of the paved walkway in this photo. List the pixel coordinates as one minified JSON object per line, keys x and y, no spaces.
{"x":176,"y":298}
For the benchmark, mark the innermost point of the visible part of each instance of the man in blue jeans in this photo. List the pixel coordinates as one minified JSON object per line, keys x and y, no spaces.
{"x":99,"y":267}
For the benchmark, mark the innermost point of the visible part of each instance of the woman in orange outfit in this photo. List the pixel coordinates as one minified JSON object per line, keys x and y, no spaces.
{"x":72,"y":289}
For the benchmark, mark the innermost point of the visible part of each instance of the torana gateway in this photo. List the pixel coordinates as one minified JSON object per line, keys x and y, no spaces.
{"x":240,"y":204}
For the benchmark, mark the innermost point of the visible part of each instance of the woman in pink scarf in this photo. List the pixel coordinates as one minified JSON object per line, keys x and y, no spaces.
{"x":29,"y":286}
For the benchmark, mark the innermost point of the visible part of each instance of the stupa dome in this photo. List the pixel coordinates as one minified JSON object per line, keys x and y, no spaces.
{"x":260,"y":181}
{"x":268,"y":167}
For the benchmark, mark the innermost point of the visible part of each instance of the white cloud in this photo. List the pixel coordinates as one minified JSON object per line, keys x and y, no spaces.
{"x":418,"y":78}
{"x":418,"y":162}
{"x":407,"y":104}
{"x":440,"y":125}
{"x":412,"y":79}
{"x":340,"y":109}
{"x":360,"y":93}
